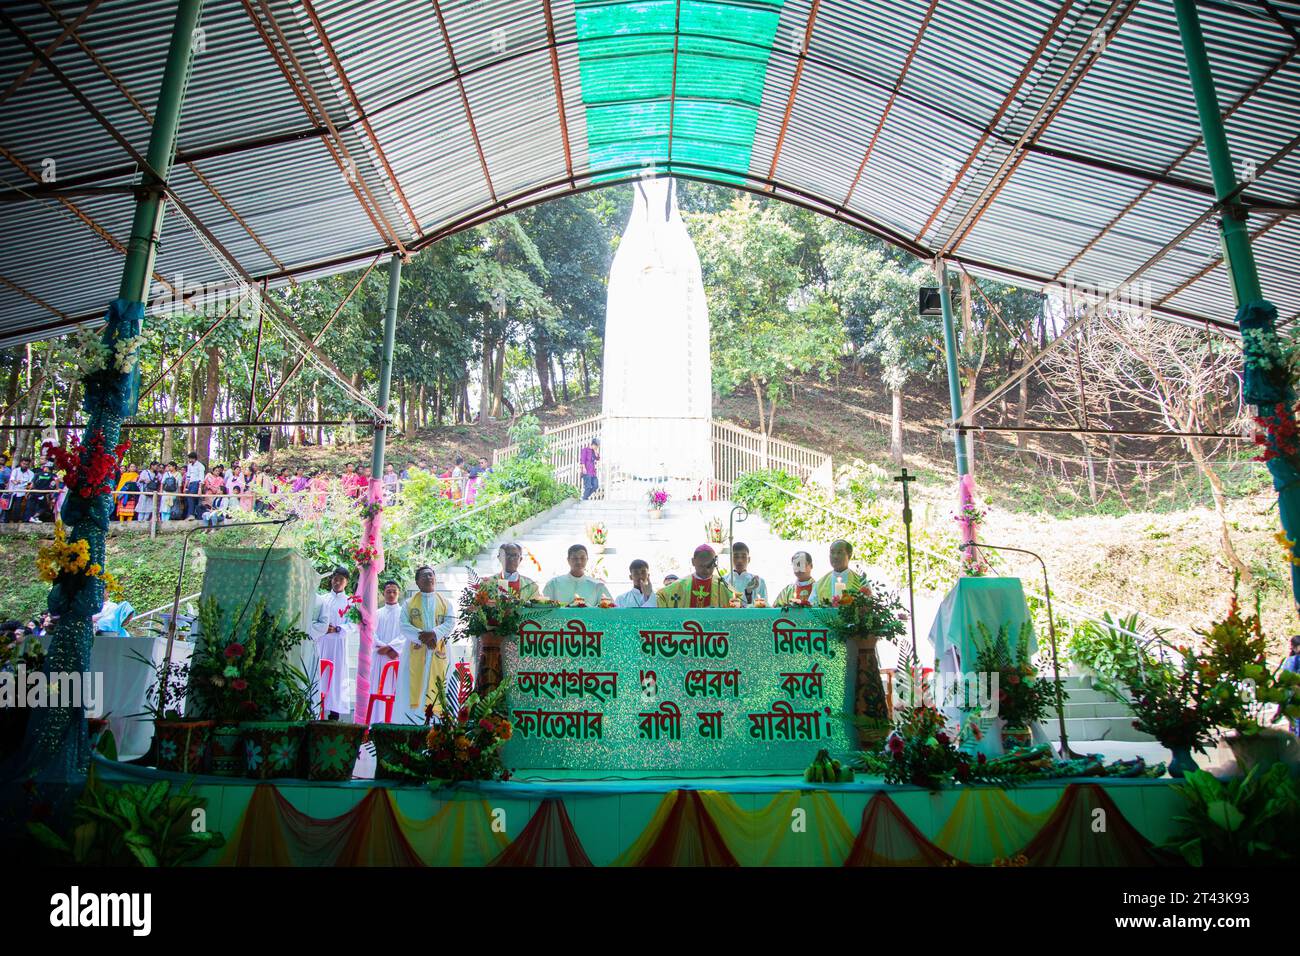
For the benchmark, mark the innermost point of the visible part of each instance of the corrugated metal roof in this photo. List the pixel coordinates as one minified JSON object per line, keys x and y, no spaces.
{"x":1037,"y":140}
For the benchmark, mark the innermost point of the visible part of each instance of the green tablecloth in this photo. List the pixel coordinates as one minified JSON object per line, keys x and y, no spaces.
{"x":994,"y":602}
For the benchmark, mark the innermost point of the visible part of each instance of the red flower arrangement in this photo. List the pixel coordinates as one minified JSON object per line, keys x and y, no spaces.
{"x":87,"y":469}
{"x":352,"y":611}
{"x":365,"y":555}
{"x":1279,"y":438}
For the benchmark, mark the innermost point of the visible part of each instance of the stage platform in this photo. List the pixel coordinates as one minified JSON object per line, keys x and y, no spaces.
{"x":563,"y":818}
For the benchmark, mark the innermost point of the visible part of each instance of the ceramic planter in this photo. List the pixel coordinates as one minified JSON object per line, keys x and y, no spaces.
{"x":1262,"y":749}
{"x":271,"y":748}
{"x":387,"y":738}
{"x":332,"y":748}
{"x":181,"y":744}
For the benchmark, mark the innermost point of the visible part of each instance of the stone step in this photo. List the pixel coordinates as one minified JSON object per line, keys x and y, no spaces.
{"x":1096,"y":728}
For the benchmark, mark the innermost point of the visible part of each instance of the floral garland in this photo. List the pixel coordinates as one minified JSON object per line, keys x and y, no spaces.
{"x":371,"y":510}
{"x":62,"y":558}
{"x":87,"y":469}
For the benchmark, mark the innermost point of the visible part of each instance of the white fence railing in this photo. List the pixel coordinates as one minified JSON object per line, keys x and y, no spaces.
{"x":735,"y":452}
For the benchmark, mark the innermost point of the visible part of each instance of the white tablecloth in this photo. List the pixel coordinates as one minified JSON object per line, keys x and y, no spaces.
{"x":127,"y":681}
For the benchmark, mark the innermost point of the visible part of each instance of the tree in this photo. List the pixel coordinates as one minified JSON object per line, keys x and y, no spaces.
{"x":762,"y":331}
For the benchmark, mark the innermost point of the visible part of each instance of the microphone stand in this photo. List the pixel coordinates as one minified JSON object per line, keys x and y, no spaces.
{"x":1065,"y":751}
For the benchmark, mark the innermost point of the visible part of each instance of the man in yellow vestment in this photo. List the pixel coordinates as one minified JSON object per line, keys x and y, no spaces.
{"x":800,"y":590}
{"x":427,"y":621}
{"x":509,"y":578}
{"x":704,"y":588}
{"x":840,"y":578}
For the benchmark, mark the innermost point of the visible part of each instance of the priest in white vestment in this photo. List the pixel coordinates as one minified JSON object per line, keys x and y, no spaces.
{"x":331,"y":630}
{"x":427,"y":622}
{"x":748,"y":585}
{"x":642,"y":593}
{"x":389,"y":641}
{"x":564,"y":588}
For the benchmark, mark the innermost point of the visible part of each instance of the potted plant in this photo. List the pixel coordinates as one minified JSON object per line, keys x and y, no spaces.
{"x":237,"y":678}
{"x":464,"y":745}
{"x":657,"y":497}
{"x":923,"y":752}
{"x":1023,"y":698}
{"x":1248,"y":821}
{"x":332,"y":749}
{"x":597,"y":534}
{"x":1174,"y":703}
{"x":1252,"y":693}
{"x":863,"y":616}
{"x":180,"y":743}
{"x":397,"y":747}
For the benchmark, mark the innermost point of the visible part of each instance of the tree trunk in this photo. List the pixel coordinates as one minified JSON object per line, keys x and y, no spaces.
{"x":896,"y":425}
{"x":485,"y":380}
{"x":758,"y":397}
{"x":499,"y":379}
{"x":11,"y":392}
{"x":564,"y":377}
{"x":1220,"y":509}
{"x":1022,"y":439}
{"x":586,"y":376}
{"x":542,"y":361}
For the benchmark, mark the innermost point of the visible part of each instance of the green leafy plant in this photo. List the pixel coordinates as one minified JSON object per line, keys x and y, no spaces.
{"x":1023,"y":696}
{"x":132,"y":825}
{"x":1245,"y":821}
{"x":464,"y":745}
{"x":1107,"y":647}
{"x":247,"y":676}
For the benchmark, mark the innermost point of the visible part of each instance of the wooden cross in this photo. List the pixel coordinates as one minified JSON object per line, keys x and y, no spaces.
{"x":906,"y":479}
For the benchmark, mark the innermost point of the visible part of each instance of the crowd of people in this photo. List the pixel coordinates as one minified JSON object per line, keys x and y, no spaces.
{"x":172,"y":491}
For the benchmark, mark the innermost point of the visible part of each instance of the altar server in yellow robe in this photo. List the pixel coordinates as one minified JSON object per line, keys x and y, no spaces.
{"x":509,"y":578}
{"x":801,"y":589}
{"x":704,"y":587}
{"x":427,"y":621}
{"x":564,"y":588}
{"x":840,"y":578}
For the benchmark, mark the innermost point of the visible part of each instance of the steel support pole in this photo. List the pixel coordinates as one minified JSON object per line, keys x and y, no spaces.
{"x":950,"y":352}
{"x":386,"y":365}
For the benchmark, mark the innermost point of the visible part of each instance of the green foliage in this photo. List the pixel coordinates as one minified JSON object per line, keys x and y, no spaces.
{"x":1023,"y":696}
{"x":1109,"y":652}
{"x":132,"y":826}
{"x":244,"y":674}
{"x":1248,"y":821}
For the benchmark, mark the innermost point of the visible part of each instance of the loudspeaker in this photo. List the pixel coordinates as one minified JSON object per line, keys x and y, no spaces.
{"x":928,"y":302}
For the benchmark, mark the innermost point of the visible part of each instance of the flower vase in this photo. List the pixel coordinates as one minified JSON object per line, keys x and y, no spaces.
{"x":489,"y":664}
{"x":656,"y":512}
{"x":1016,"y":737}
{"x":271,"y":748}
{"x":1182,"y":763}
{"x":332,"y":749}
{"x":869,"y":701}
{"x":396,"y":745}
{"x":181,"y":744}
{"x":226,"y":753}
{"x":597,"y":548}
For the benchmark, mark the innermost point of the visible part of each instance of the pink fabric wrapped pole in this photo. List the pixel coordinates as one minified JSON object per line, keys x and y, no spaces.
{"x":966,"y":502}
{"x":372,"y":536}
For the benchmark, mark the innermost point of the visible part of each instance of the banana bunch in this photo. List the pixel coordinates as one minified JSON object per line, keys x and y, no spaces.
{"x":825,"y":770}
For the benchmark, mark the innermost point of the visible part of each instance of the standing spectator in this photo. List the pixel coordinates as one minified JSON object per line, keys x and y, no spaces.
{"x":349,"y":480}
{"x":234,"y":489}
{"x":214,"y":489}
{"x":128,"y":486}
{"x":590,"y":457}
{"x":459,"y":478}
{"x":391,"y":484}
{"x":247,"y":499}
{"x":1292,"y":664}
{"x":149,"y":480}
{"x":20,"y":479}
{"x":320,"y":486}
{"x":40,"y":507}
{"x":194,"y":475}
{"x":6,"y":470}
{"x":168,"y":484}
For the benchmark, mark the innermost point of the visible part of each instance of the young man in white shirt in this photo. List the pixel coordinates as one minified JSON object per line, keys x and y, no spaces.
{"x":194,"y":475}
{"x":642,"y":593}
{"x":749,"y":586}
{"x":389,"y":641}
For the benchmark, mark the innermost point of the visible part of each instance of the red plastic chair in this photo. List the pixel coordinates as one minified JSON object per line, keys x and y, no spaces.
{"x":326,"y":680}
{"x":379,"y":694}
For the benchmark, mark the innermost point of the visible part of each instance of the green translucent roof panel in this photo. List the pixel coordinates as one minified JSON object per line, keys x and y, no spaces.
{"x":626,"y":60}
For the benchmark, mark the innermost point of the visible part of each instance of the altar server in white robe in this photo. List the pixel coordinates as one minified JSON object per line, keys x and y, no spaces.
{"x":748,"y":585}
{"x":389,"y":641}
{"x":427,"y":622}
{"x":330,"y":630}
{"x":565,"y":588}
{"x":642,"y":593}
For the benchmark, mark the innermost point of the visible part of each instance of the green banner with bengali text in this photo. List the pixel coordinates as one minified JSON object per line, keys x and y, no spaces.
{"x":730,"y":690}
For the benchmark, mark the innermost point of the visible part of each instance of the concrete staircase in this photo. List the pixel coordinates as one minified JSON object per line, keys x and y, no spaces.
{"x":1092,"y":714}
{"x":666,"y":543}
